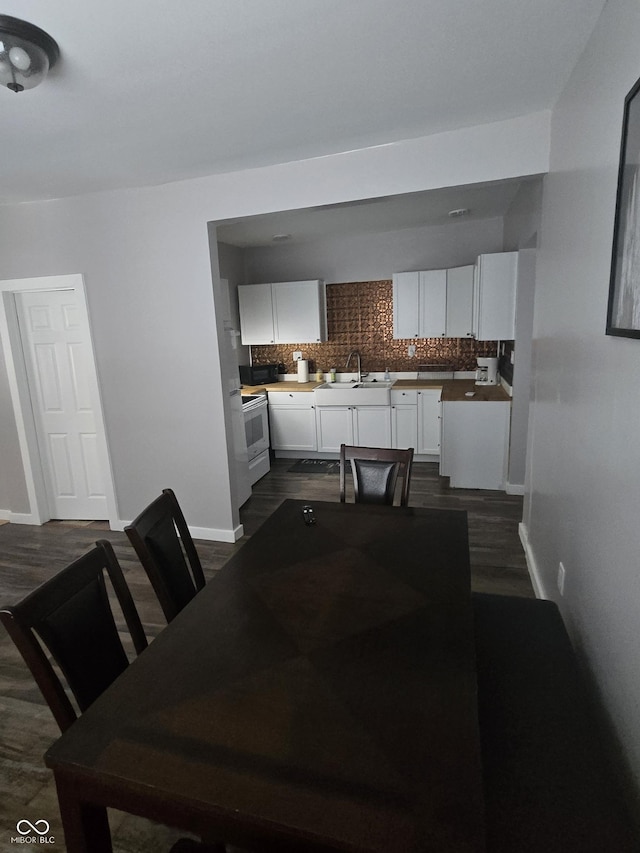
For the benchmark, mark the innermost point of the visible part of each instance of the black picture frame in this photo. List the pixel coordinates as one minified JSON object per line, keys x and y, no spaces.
{"x":623,"y":309}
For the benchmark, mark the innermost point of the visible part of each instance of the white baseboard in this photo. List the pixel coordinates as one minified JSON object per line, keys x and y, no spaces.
{"x":514,"y":488}
{"x":210,"y":534}
{"x":24,"y":518}
{"x":18,"y":517}
{"x":534,"y":574}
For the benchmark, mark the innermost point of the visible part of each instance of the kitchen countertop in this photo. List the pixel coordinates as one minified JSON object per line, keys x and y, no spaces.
{"x":453,"y":390}
{"x":280,"y":386}
{"x":407,"y":384}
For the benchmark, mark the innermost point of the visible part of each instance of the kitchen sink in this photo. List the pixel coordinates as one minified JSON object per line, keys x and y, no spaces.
{"x":353,"y":394}
{"x":376,"y":383}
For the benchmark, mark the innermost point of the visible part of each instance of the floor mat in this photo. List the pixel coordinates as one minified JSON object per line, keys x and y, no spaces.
{"x":315,"y":466}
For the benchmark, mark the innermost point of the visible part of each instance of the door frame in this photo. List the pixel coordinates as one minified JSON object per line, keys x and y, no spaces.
{"x":34,"y":471}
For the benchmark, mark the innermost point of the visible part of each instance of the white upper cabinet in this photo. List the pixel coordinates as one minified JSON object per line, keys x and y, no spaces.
{"x":433,"y":303}
{"x":462,"y":302}
{"x":459,"y":322}
{"x":406,"y":286}
{"x":256,"y":314}
{"x":289,"y":312}
{"x":299,"y":312}
{"x":495,"y":297}
{"x":419,"y":304}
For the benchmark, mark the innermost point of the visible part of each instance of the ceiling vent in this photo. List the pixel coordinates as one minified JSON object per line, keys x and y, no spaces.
{"x":460,"y":211}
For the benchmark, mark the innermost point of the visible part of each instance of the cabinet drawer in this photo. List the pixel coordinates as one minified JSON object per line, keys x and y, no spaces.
{"x":291,"y":398}
{"x":408,"y":397}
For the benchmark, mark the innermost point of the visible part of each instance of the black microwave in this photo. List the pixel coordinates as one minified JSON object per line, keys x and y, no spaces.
{"x":258,"y":374}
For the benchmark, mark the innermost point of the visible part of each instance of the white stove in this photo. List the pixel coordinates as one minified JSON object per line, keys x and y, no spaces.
{"x":256,"y":427}
{"x":252,"y":401}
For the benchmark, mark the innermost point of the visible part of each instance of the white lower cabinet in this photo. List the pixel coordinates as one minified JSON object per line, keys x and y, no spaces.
{"x":429,"y":421}
{"x":364,"y":426}
{"x":292,"y":421}
{"x":372,"y":426}
{"x":415,"y":420}
{"x":470,"y":437}
{"x":475,"y":441}
{"x":334,"y":426}
{"x":404,"y":419}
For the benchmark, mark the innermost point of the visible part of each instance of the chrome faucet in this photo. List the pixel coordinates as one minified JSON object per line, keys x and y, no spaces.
{"x":357,"y":355}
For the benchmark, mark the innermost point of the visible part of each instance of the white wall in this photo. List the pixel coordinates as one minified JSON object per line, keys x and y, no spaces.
{"x":521,"y":226}
{"x":584,"y":483}
{"x":231,"y":265}
{"x":145,"y":257}
{"x":374,"y":257}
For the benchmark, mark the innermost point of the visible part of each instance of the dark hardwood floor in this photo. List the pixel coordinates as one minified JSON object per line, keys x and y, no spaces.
{"x":29,"y":555}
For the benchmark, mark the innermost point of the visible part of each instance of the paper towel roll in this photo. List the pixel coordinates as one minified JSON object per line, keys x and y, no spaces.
{"x":303,"y":370}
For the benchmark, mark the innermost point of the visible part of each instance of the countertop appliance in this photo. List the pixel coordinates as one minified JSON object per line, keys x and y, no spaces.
{"x":487,"y":371}
{"x":258,"y":374}
{"x":256,"y":427}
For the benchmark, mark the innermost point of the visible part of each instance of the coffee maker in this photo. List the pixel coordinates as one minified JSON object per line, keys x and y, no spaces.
{"x":487,"y":371}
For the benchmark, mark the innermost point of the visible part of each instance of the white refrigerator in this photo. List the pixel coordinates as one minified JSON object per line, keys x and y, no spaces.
{"x":236,"y":438}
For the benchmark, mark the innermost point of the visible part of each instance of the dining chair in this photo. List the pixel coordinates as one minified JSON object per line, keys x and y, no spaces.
{"x":161,"y":539}
{"x":375,"y":473}
{"x":70,"y":617}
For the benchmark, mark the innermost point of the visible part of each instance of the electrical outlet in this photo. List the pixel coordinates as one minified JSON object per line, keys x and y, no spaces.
{"x":297,"y":356}
{"x":561,"y":578}
{"x":411,"y":350}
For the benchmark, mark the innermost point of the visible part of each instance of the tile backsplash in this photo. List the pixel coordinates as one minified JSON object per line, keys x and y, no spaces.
{"x":360,"y":317}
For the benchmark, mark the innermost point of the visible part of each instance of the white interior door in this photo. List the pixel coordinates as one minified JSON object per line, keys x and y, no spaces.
{"x":60,"y":368}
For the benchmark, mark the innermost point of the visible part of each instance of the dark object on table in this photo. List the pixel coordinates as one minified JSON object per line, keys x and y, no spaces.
{"x":375,"y":473}
{"x":161,"y":540}
{"x":72,"y":616}
{"x":549,"y":784}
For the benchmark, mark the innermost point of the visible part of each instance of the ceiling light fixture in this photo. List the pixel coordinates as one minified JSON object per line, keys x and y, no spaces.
{"x":26,"y":54}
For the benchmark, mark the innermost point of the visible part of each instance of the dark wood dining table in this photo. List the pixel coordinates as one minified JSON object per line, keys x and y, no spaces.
{"x":318,"y":695}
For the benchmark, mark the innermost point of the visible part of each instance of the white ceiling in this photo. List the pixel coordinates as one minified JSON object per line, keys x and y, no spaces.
{"x":151,"y":91}
{"x":377,"y":215}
